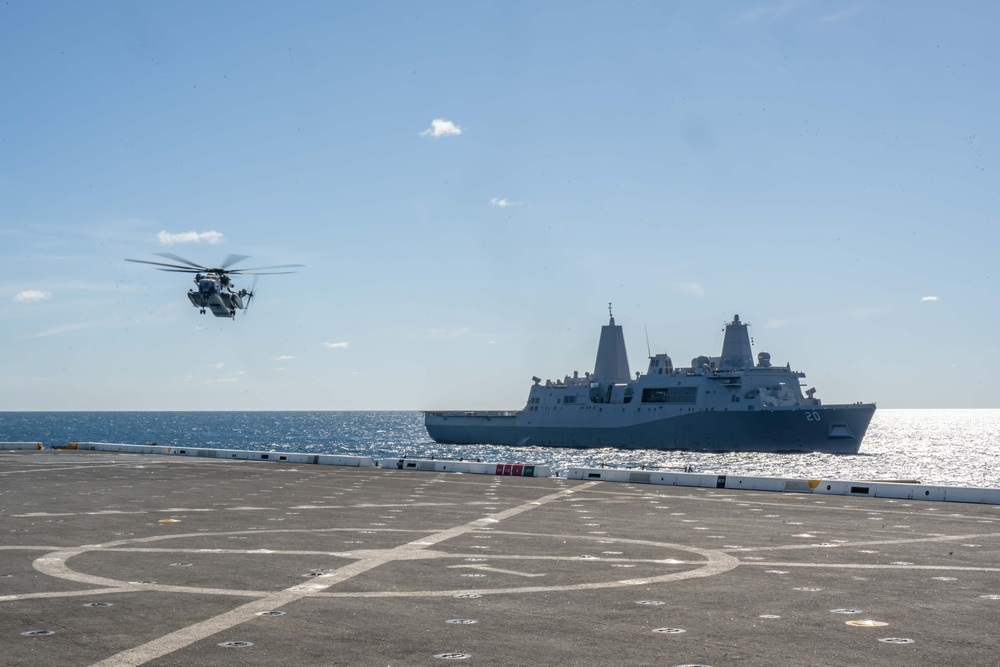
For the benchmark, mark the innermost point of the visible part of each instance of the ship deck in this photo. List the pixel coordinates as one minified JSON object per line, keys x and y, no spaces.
{"x":123,"y":559}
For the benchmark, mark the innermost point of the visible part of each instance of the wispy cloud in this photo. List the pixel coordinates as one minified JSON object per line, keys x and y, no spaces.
{"x":45,"y":236}
{"x":842,"y":15}
{"x":31,"y":296}
{"x":65,"y":328}
{"x":169,"y":238}
{"x":442,"y":128}
{"x":688,"y":288}
{"x":337,"y":346}
{"x":771,"y":11}
{"x":929,"y":298}
{"x":218,"y":365}
{"x":775,"y":324}
{"x":503,"y":202}
{"x":284,"y":357}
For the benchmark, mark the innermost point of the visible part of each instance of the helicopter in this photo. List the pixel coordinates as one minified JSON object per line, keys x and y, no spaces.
{"x":215,"y":290}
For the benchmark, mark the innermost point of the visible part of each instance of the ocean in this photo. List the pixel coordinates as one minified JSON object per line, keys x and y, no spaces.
{"x":949,"y":447}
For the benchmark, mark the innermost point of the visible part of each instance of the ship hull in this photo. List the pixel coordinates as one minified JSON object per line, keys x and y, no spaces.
{"x":837,"y":429}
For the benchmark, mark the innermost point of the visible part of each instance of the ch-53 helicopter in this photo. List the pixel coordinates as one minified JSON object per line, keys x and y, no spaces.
{"x":215,"y":288}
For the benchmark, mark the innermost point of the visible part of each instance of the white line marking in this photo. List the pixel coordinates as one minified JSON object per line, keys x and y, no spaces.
{"x":86,"y":466}
{"x":193,"y":633}
{"x":487,"y":568}
{"x":63,"y":594}
{"x":866,"y":543}
{"x":873,"y":566}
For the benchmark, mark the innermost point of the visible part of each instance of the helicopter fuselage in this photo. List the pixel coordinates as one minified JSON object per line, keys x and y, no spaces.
{"x":215,"y":293}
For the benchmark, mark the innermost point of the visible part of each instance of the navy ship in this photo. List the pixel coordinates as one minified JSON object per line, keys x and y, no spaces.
{"x":728,"y":403}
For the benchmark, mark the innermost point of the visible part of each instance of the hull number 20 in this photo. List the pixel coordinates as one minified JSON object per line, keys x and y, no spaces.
{"x":812,"y":416}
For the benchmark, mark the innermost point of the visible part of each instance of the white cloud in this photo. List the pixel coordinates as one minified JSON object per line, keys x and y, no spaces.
{"x":284,"y":357}
{"x":168,"y":238}
{"x":218,"y":365}
{"x":503,"y":202}
{"x":337,"y":346}
{"x":929,"y":298}
{"x":689,"y":288}
{"x":441,"y":128}
{"x":31,"y":296}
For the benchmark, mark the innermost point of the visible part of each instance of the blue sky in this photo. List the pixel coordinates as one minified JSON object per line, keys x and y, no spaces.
{"x":470,"y":184}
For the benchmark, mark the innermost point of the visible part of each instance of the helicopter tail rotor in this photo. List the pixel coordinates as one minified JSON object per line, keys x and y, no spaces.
{"x":250,"y":294}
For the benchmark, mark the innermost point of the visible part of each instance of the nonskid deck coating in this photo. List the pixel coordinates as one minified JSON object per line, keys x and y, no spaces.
{"x":389,"y":567}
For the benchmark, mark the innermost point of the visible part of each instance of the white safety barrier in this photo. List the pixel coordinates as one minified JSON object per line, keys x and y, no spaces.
{"x":473,"y":467}
{"x":875,"y":489}
{"x":21,"y":445}
{"x":240,"y":454}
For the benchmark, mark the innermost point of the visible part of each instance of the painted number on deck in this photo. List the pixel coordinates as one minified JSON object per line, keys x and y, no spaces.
{"x":812,"y":416}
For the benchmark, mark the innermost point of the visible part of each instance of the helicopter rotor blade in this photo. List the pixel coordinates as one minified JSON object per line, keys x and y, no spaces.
{"x":263,"y":273}
{"x":187,"y":266}
{"x":261,"y":268}
{"x":188,"y":262}
{"x":233,"y":259}
{"x":175,"y":267}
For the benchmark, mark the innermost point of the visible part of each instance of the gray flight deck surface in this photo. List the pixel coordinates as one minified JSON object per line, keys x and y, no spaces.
{"x":123,"y":559}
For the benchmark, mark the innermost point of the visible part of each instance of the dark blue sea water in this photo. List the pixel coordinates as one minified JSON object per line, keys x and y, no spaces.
{"x":955,"y":447}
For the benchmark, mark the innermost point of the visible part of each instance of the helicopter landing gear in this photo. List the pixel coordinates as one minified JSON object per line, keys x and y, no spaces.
{"x":202,"y":311}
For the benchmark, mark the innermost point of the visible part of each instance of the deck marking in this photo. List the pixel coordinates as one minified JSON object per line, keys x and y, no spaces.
{"x":487,"y":568}
{"x":63,"y":594}
{"x":868,"y":543}
{"x":87,"y":466}
{"x":179,"y":639}
{"x":874,"y":566}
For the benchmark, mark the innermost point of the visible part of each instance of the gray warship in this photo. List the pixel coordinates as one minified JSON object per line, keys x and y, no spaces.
{"x":728,"y":403}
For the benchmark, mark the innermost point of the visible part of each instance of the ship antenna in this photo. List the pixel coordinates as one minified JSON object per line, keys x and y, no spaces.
{"x":649,"y":352}
{"x":610,"y":314}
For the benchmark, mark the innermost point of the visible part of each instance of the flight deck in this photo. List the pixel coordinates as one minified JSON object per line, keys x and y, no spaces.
{"x":116,"y":559}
